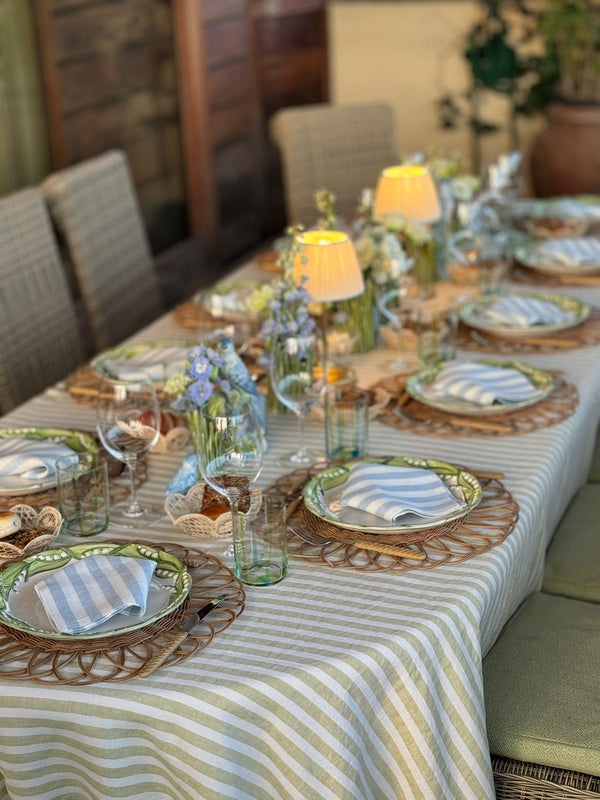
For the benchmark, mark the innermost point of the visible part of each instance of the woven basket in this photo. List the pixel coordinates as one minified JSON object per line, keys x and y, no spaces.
{"x":521,"y":780}
{"x":48,"y":518}
{"x":184,"y":512}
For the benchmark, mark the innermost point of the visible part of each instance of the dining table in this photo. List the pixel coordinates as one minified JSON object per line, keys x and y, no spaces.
{"x":336,"y":682}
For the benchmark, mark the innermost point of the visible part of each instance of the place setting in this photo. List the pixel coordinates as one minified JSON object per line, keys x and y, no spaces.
{"x":397,"y":513}
{"x":481,"y":397}
{"x":559,"y":261}
{"x":111,"y":611}
{"x":530,"y":322}
{"x":159,"y":360}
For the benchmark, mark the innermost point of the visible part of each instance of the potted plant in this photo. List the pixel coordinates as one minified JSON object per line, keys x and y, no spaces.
{"x":542,"y":55}
{"x":565,"y":156}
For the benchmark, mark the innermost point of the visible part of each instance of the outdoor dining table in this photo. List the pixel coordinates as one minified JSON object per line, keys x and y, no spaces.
{"x":334,"y":683}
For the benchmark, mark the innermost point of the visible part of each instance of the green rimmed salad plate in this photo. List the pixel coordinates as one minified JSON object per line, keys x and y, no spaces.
{"x":552,"y":256}
{"x":20,"y":607}
{"x":77,"y":441}
{"x":230,"y":301}
{"x":322,"y":492}
{"x":145,"y":356}
{"x":471,"y":315}
{"x":416,"y":386}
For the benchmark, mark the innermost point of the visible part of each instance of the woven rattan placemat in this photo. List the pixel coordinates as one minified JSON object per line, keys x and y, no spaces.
{"x":406,"y":414}
{"x":585,"y":335}
{"x":523,"y":274}
{"x":485,"y":527}
{"x":120,"y":657}
{"x":83,"y":386}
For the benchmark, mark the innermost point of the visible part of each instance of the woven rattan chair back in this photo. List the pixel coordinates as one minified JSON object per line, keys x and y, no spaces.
{"x":340,"y":148}
{"x":39,"y":338}
{"x":95,"y":210}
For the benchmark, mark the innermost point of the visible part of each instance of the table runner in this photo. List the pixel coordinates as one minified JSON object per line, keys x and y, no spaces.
{"x":332,"y":684}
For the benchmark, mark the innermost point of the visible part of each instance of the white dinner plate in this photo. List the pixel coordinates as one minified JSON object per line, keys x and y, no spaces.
{"x":76,"y":440}
{"x":416,"y":386}
{"x":471,"y":315}
{"x":321,"y":495}
{"x":21,"y":608}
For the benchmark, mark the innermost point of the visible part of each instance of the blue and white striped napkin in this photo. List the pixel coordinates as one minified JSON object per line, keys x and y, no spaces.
{"x":524,"y":312}
{"x":576,"y":252}
{"x":159,"y":363}
{"x":92,"y":590}
{"x":390,"y":492}
{"x":28,"y":460}
{"x":481,"y":383}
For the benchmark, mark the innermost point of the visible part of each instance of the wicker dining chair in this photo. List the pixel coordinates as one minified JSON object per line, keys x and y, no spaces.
{"x":95,"y":210}
{"x":40,"y":340}
{"x":339,"y":148}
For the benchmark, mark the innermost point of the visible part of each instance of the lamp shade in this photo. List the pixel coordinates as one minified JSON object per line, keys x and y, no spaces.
{"x":407,"y":189}
{"x":328,"y":262}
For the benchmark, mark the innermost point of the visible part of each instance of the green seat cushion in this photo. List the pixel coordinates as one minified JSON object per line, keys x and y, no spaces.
{"x":594,"y":474}
{"x":542,"y":685}
{"x":573,"y":558}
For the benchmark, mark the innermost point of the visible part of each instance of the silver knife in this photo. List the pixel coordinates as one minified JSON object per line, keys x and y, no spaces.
{"x":188,"y":627}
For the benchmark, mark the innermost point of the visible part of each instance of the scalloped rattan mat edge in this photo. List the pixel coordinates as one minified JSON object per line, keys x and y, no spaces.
{"x":117,"y":658}
{"x":559,"y":406}
{"x":523,"y":274}
{"x":585,"y":335}
{"x":485,"y":527}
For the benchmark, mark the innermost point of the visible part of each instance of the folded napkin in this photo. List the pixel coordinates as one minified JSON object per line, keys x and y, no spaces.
{"x":390,"y":492}
{"x":568,"y":252}
{"x":28,"y":460}
{"x":524,"y":312}
{"x":86,"y":593}
{"x":159,"y":363}
{"x":481,"y":383}
{"x":563,"y":208}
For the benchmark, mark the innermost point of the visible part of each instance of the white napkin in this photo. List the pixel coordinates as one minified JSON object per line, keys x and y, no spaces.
{"x":92,"y":590}
{"x":390,"y":492}
{"x":576,"y":252}
{"x":524,"y":312}
{"x":28,"y":461}
{"x":159,"y":363}
{"x":481,"y":383}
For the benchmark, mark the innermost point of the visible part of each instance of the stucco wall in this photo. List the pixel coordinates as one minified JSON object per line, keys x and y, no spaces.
{"x":407,"y":53}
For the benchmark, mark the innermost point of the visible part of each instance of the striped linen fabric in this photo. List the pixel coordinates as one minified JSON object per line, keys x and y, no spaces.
{"x":524,"y":312}
{"x":28,"y":459}
{"x":157,"y":363}
{"x":86,"y":593}
{"x":335,"y":683}
{"x":481,"y":383}
{"x":391,"y":492}
{"x":574,"y":252}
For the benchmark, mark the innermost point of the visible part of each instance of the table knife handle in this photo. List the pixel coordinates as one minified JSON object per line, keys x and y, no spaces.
{"x":390,"y":549}
{"x":161,"y":655}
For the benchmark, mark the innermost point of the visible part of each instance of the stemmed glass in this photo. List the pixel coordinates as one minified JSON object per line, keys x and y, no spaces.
{"x":298,"y":376}
{"x":128,"y":424}
{"x":393,"y":306}
{"x":230,"y":451}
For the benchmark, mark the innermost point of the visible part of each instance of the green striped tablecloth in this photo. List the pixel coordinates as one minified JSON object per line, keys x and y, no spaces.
{"x":332,"y":684}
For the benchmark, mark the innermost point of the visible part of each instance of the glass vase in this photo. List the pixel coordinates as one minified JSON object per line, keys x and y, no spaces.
{"x":361,"y":312}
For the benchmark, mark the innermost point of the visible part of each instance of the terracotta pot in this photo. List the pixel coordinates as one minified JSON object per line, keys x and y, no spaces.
{"x":565,"y":157}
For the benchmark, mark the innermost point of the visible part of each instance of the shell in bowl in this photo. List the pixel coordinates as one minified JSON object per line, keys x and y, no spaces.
{"x":47,"y":521}
{"x":185,"y":512}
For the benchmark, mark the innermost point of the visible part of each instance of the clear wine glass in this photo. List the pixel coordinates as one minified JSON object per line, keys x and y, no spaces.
{"x":298,"y":377}
{"x":128,"y":424}
{"x":230,"y":451}
{"x":395,"y":309}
